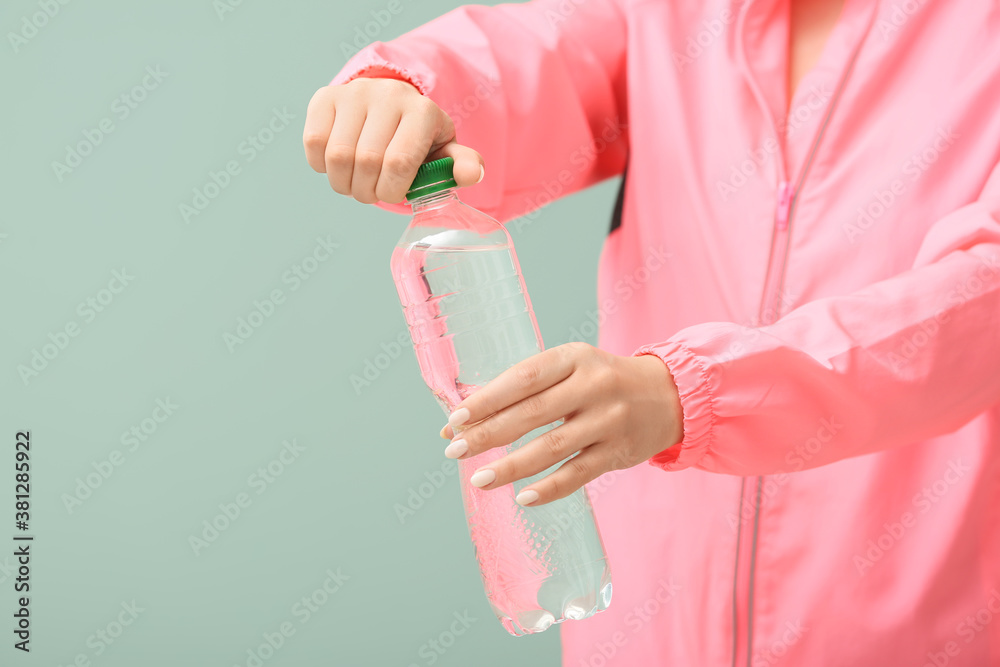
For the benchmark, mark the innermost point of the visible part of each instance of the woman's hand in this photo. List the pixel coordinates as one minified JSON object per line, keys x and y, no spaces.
{"x":370,"y":135}
{"x":618,"y":411}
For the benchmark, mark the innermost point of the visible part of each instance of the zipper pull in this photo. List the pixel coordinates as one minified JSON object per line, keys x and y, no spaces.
{"x":785,"y":196}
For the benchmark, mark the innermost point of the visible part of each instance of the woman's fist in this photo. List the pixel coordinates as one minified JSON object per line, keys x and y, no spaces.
{"x":370,"y":135}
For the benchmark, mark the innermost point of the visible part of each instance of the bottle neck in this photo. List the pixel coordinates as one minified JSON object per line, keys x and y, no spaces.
{"x":433,"y":200}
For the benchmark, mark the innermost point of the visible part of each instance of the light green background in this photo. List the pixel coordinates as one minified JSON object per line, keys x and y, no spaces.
{"x":163,"y":337}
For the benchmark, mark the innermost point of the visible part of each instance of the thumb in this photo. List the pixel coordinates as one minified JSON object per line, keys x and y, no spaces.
{"x":469,"y":166}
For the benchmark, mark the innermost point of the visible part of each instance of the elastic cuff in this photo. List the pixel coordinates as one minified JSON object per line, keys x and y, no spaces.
{"x":697,"y":405}
{"x":368,"y":63}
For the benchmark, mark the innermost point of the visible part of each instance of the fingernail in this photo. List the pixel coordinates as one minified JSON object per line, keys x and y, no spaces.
{"x":456,"y":449}
{"x":482,"y":173}
{"x":444,"y":432}
{"x":459,"y":417}
{"x":526,"y":497}
{"x":482,"y":477}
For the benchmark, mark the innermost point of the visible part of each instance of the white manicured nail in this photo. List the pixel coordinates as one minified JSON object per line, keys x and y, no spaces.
{"x":482,"y":172}
{"x":482,"y":477}
{"x":527,"y":497}
{"x":456,"y":448}
{"x":459,"y":417}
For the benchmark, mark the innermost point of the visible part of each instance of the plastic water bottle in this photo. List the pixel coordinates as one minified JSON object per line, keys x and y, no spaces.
{"x":470,"y":319}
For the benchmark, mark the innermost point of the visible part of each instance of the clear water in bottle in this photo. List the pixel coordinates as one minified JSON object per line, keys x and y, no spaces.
{"x":470,"y":319}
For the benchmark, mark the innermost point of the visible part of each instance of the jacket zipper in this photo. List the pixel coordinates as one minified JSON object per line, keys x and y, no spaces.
{"x":769,"y":312}
{"x":770,"y":301}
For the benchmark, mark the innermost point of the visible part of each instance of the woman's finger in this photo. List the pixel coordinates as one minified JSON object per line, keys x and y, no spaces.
{"x":588,"y":465}
{"x":513,"y":422}
{"x":379,"y":128}
{"x":538,"y":455}
{"x":524,"y":379}
{"x":469,"y":166}
{"x":405,"y":153}
{"x":319,"y":121}
{"x":343,"y":145}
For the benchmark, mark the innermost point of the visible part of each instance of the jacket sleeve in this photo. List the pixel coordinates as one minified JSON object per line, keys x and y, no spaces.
{"x":905,"y":359}
{"x":537,"y":88}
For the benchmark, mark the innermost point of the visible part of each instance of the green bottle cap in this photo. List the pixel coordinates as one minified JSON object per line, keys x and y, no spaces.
{"x":432,"y":177}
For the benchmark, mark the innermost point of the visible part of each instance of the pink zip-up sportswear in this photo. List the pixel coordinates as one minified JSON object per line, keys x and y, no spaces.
{"x":822,"y":278}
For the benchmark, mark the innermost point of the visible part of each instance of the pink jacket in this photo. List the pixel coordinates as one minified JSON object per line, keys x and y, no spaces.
{"x":824,"y":285}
